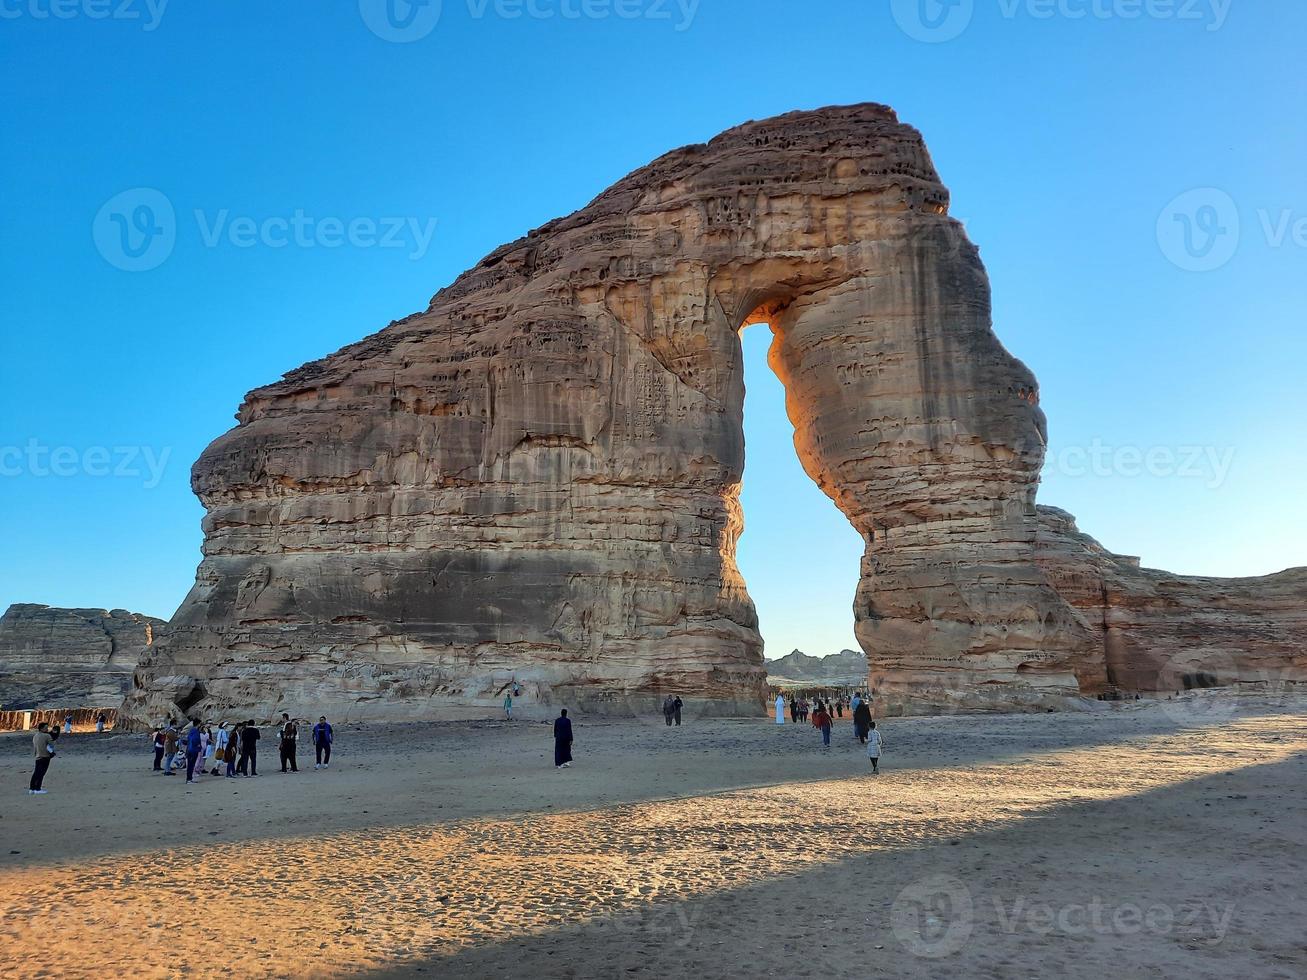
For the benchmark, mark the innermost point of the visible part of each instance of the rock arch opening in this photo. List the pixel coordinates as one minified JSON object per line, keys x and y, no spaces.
{"x":798,"y":554}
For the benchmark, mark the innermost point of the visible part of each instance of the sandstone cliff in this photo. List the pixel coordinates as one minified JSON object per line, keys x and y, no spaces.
{"x":1156,"y":631}
{"x":536,"y":479}
{"x":69,"y":658}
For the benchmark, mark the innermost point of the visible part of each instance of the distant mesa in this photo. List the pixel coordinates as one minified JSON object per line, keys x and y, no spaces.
{"x":69,"y":658}
{"x":848,"y":668}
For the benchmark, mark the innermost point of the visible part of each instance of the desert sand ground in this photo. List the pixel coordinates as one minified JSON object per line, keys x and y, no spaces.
{"x":1132,"y":841}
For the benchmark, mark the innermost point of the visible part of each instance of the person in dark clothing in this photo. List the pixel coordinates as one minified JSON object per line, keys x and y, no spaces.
{"x":194,"y":740}
{"x":677,"y":705}
{"x":562,"y":741}
{"x":668,"y":708}
{"x":794,"y":711}
{"x":249,"y":764}
{"x":233,"y":748}
{"x":158,"y":749}
{"x":862,"y":721}
{"x":322,"y":737}
{"x":289,"y":735}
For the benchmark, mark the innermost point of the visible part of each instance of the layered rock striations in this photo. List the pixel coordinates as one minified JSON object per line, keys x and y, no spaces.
{"x":536,"y":479}
{"x":1158,"y":632}
{"x":69,"y":658}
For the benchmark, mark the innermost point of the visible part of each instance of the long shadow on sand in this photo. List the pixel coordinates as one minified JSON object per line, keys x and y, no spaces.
{"x":1120,"y":887}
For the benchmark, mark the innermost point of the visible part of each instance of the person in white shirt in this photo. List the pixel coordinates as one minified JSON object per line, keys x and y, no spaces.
{"x":218,"y":748}
{"x":873,"y":749}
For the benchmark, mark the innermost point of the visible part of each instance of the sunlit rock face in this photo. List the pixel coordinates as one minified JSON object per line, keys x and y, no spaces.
{"x":69,"y":658}
{"x":536,"y":479}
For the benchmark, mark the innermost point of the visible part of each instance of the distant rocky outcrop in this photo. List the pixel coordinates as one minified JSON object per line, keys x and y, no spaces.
{"x":848,"y":668}
{"x":69,"y":658}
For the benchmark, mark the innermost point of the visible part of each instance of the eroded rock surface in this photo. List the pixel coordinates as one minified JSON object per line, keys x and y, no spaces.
{"x":536,"y":479}
{"x":69,"y":658}
{"x":1156,"y":631}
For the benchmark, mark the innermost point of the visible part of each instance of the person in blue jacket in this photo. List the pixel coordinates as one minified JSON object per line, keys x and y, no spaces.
{"x":194,"y":742}
{"x":322,"y":737}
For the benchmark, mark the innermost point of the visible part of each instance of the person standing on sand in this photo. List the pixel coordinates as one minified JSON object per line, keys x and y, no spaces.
{"x":157,"y":739}
{"x":205,"y":738}
{"x":169,"y":747}
{"x":249,"y":765}
{"x":219,"y":748}
{"x":68,"y":724}
{"x":322,"y":739}
{"x":862,"y":721}
{"x":821,"y":721}
{"x":677,"y":705}
{"x":43,"y":750}
{"x":100,"y":722}
{"x":508,"y":706}
{"x":667,"y":711}
{"x":233,"y":748}
{"x":780,"y":709}
{"x":289,"y":735}
{"x":562,"y":741}
{"x":194,"y":746}
{"x":873,"y":749}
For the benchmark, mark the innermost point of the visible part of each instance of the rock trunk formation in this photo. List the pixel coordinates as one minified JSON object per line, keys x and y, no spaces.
{"x":536,"y":479}
{"x":69,"y":658}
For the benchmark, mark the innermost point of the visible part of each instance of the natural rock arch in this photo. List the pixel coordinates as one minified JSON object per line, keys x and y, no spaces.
{"x":537,"y":477}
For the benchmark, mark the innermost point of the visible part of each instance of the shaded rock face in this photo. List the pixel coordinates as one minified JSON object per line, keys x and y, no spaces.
{"x":536,"y":479}
{"x":69,"y":658}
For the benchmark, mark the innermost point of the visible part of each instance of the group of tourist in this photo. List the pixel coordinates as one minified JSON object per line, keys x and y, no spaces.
{"x":204,"y":749}
{"x":822,"y":714}
{"x":672,"y":710}
{"x":201,"y":748}
{"x":801,"y":709}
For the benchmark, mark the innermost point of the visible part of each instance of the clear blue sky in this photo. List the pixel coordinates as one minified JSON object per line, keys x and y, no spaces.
{"x":1065,"y":141}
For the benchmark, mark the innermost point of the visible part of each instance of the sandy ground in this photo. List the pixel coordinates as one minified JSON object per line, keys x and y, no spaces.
{"x":1139,"y":840}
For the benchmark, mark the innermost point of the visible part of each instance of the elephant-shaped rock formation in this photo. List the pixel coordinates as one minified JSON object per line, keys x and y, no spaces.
{"x":535,"y":481}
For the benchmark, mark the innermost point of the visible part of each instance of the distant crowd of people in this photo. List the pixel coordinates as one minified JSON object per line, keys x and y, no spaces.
{"x":201,"y":749}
